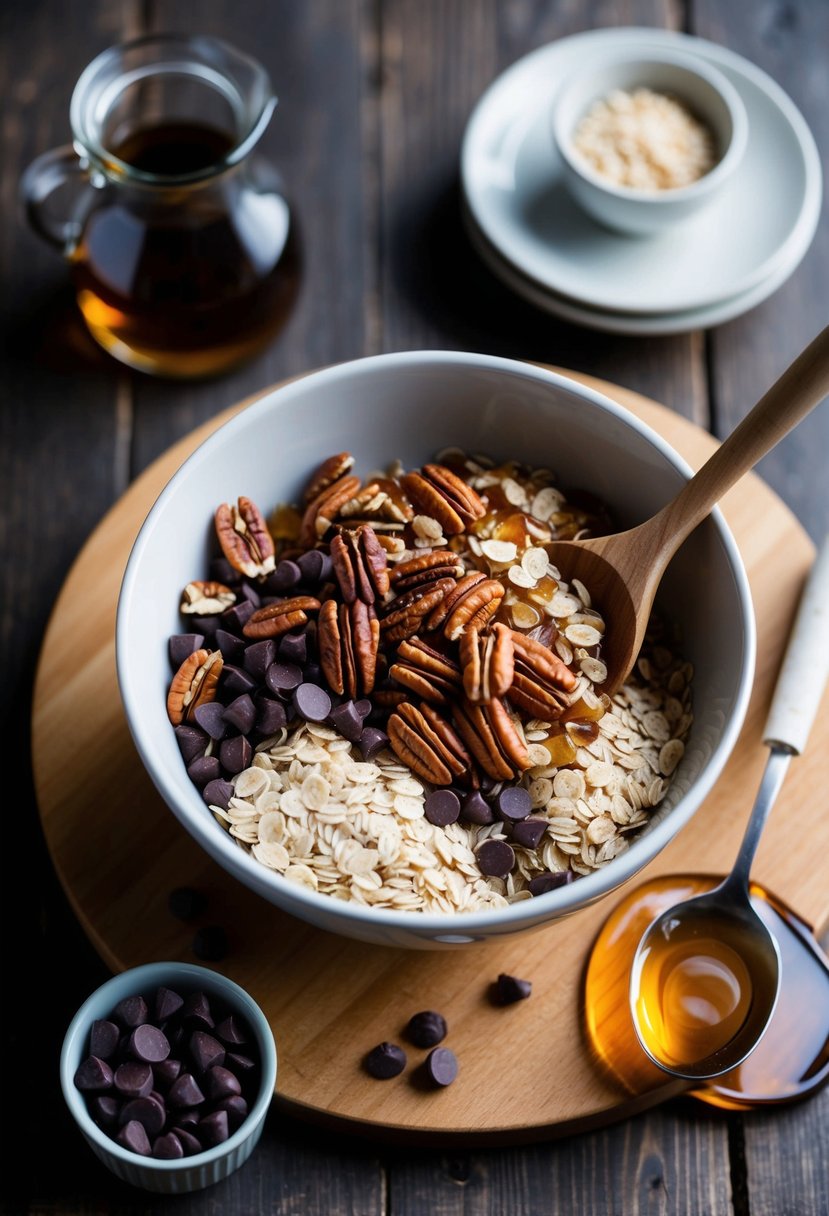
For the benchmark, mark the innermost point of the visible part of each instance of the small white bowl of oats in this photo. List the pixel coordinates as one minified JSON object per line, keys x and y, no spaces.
{"x":357,"y":681}
{"x":647,"y":140}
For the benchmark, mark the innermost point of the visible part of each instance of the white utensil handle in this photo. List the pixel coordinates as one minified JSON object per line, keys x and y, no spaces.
{"x":805,"y":667}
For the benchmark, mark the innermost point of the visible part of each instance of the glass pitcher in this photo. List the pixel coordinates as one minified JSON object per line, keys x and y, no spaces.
{"x":178,"y":233}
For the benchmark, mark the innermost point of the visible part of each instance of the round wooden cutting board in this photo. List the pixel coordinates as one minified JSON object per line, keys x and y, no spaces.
{"x":525,"y":1069}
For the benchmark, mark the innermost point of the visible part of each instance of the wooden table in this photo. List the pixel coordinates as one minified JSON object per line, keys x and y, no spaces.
{"x":373,"y":101}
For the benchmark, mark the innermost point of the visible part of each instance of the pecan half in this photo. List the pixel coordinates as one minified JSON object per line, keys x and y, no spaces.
{"x":321,"y":511}
{"x":491,"y":736}
{"x":425,"y":671}
{"x":193,"y":684}
{"x":472,"y":602}
{"x":425,"y":568}
{"x":426,"y":742}
{"x":326,"y":474}
{"x":273,"y":619}
{"x":244,"y":538}
{"x":206,"y":599}
{"x":360,"y":565}
{"x":348,"y":637}
{"x":487,"y":663}
{"x":541,"y":682}
{"x":406,"y":613}
{"x":439,"y":492}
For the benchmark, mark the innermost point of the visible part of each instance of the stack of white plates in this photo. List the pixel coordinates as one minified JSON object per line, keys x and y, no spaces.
{"x":714,"y":267}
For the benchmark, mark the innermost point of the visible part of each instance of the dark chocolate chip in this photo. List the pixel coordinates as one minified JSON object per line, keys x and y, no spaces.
{"x":237,"y":616}
{"x":313,"y":674}
{"x":495,"y":858}
{"x":476,"y":809}
{"x":293,"y":648}
{"x":258,"y":658}
{"x":167,"y":1147}
{"x":134,"y":1079}
{"x":104,"y":1110}
{"x":181,"y":646}
{"x":205,"y":1050}
{"x":513,"y":802}
{"x":345,"y":719}
{"x":241,"y":1064}
{"x":221,"y":571}
{"x":206,"y":625}
{"x":93,"y":1074}
{"x":363,"y":707}
{"x":286,"y":576}
{"x":149,"y":1111}
{"x":241,"y":713}
{"x":312,"y":566}
{"x":210,"y":943}
{"x":213,"y":1128}
{"x":218,"y":793}
{"x":235,"y":754}
{"x":185,"y":903}
{"x":550,"y":880}
{"x":510,"y":989}
{"x":235,"y":681}
{"x":188,"y":1117}
{"x":529,"y":832}
{"x":206,"y":768}
{"x":372,"y":741}
{"x":426,"y":1029}
{"x":191,"y":742}
{"x":442,"y":1066}
{"x":220,"y":1082}
{"x":132,"y":1011}
{"x":196,"y":1011}
{"x":249,"y":593}
{"x":385,"y":1061}
{"x":185,"y":1091}
{"x":283,"y":678}
{"x":270,"y":716}
{"x":211,"y":718}
{"x":237,"y":1110}
{"x":133,"y":1136}
{"x":312,"y":702}
{"x":166,"y":1072}
{"x":231,"y":646}
{"x":103,"y":1039}
{"x":442,"y":807}
{"x":187,"y":1141}
{"x":150,"y":1044}
{"x":231,"y":1031}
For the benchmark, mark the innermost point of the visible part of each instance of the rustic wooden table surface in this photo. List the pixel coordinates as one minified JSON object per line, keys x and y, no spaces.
{"x":374,"y":96}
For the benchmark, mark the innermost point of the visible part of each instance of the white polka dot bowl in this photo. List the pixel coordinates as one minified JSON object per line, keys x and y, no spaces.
{"x":409,"y":406}
{"x":198,"y":1169}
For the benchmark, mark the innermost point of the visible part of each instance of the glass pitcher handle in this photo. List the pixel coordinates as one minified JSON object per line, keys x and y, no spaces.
{"x":44,"y":176}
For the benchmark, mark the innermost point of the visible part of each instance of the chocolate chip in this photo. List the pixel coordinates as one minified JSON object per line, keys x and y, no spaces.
{"x":134,"y":1079}
{"x":363,"y":707}
{"x":132,"y":1011}
{"x":103,"y":1039}
{"x":285,"y":577}
{"x":241,"y":1064}
{"x":133,"y":1136}
{"x":167,"y":1147}
{"x":293,"y":648}
{"x":187,"y":1141}
{"x":237,"y":616}
{"x":104,"y":1110}
{"x":442,"y":1066}
{"x":237,"y":1110}
{"x":213,"y":1128}
{"x":147,"y":1111}
{"x":218,"y":793}
{"x":529,"y":832}
{"x":220,"y":1082}
{"x":385,"y":1061}
{"x":313,"y":565}
{"x":442,"y":807}
{"x":270,"y":716}
{"x":235,"y":754}
{"x":513,"y":802}
{"x":188,"y":1118}
{"x":235,"y":681}
{"x":206,"y":625}
{"x":283,"y":678}
{"x":258,"y":658}
{"x":426,"y":1029}
{"x":191,"y":742}
{"x":210,"y":943}
{"x":196,"y":1011}
{"x":150,"y":1044}
{"x":372,"y":741}
{"x":185,"y":1091}
{"x":345,"y":719}
{"x":248,"y":592}
{"x":211,"y":718}
{"x":510,"y":989}
{"x":476,"y":809}
{"x":221,"y":571}
{"x":93,"y":1074}
{"x":495,"y":858}
{"x":231,"y":1032}
{"x":312,"y":702}
{"x":313,"y":674}
{"x":184,"y":903}
{"x":205,"y":1050}
{"x":206,"y":768}
{"x":232,"y":647}
{"x":181,"y":645}
{"x":550,"y":880}
{"x":166,"y":1072}
{"x":241,"y":713}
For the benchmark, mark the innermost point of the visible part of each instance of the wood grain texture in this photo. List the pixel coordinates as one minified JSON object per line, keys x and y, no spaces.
{"x":330,"y":999}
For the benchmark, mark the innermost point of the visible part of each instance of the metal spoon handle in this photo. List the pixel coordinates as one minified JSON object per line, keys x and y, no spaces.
{"x":797,"y":696}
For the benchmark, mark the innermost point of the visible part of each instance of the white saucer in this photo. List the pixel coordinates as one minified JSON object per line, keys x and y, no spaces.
{"x":511,"y":181}
{"x":619,"y":322}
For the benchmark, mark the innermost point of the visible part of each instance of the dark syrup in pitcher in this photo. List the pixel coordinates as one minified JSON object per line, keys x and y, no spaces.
{"x":187,"y":279}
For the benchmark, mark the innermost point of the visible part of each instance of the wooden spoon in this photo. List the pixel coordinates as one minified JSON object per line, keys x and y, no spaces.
{"x":622,"y":572}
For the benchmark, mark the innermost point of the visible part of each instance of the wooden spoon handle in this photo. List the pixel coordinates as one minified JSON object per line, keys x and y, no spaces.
{"x":801,"y":387}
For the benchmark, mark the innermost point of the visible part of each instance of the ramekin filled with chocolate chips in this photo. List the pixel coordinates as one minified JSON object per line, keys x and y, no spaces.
{"x":375,"y":700}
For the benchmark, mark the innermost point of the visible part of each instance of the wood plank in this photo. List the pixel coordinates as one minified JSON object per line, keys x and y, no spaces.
{"x":787,"y":1160}
{"x":788,"y":41}
{"x":438,"y":58}
{"x":320,"y":60}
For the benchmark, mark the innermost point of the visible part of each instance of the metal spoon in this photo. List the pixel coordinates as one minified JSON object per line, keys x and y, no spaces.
{"x":622,"y":572}
{"x":725,"y":915}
